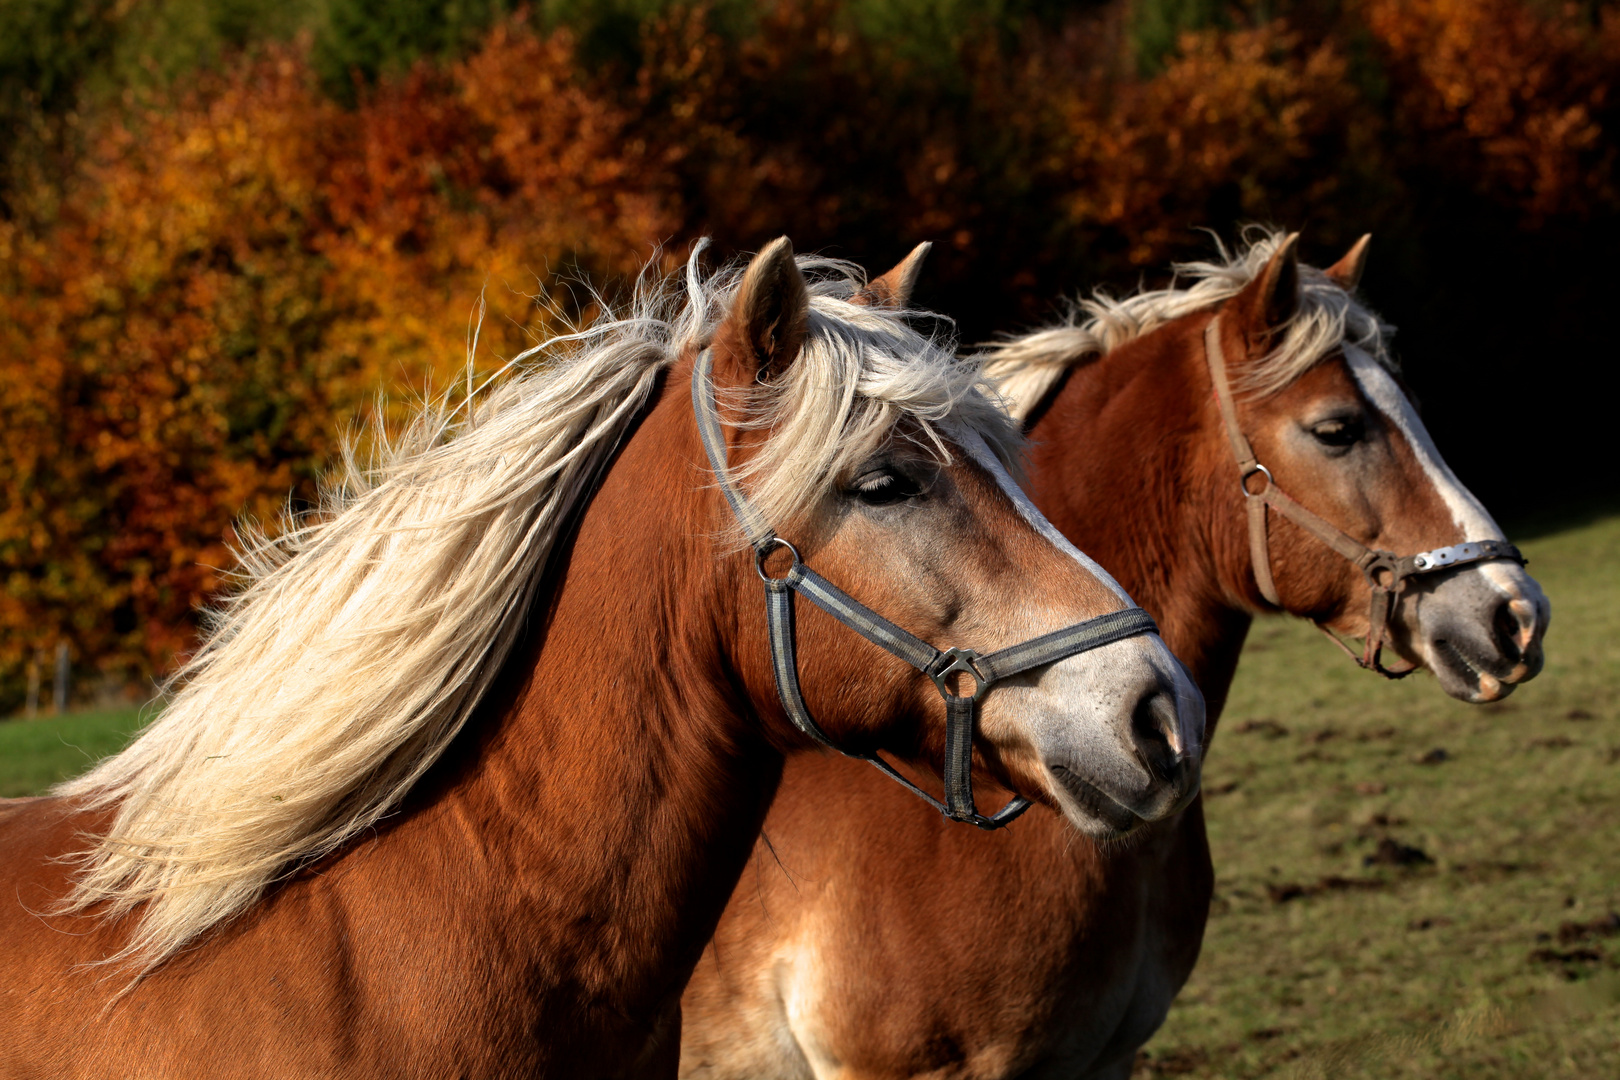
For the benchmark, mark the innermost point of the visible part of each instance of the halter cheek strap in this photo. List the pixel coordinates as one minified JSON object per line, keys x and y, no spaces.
{"x":1386,"y":572}
{"x":961,"y":711}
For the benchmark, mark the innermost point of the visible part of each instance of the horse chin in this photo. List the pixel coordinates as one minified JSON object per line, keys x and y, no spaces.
{"x":1094,"y":812}
{"x":1470,"y":678}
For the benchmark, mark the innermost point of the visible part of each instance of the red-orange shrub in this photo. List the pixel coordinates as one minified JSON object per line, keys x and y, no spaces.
{"x":241,"y":264}
{"x":1244,"y":116}
{"x":234,"y":274}
{"x":1514,"y":96}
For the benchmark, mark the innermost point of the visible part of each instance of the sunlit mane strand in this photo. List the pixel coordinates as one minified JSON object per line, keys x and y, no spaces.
{"x":1025,"y":368}
{"x":361,"y":638}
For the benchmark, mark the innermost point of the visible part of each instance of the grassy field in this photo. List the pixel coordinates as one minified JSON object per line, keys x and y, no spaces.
{"x":36,"y":754}
{"x":1407,"y":886}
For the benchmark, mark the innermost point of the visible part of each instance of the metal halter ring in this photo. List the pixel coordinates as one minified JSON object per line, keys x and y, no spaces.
{"x":1384,"y":562}
{"x":1244,"y":482}
{"x":960,"y":660}
{"x":765,"y":549}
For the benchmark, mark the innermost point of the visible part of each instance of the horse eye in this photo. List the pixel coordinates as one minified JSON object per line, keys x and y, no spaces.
{"x":1339,"y":432}
{"x":884,"y":487}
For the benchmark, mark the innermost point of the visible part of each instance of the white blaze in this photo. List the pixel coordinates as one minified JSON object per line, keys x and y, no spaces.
{"x":980,"y":452}
{"x":1473,"y":521}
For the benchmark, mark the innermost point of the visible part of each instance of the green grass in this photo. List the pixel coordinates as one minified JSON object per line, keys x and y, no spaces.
{"x":1317,"y":964}
{"x":34,"y":754}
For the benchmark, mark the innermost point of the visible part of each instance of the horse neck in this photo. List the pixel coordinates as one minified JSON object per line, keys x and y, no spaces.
{"x":624,"y":781}
{"x":1127,"y":460}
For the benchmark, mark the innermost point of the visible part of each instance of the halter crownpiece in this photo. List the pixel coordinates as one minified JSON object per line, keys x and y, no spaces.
{"x":1385,"y":571}
{"x":961,"y":711}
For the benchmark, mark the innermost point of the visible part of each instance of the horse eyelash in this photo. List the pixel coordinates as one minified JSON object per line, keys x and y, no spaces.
{"x":874,"y":482}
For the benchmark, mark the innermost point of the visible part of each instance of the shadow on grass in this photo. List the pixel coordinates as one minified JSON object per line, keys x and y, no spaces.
{"x":1566,"y":515}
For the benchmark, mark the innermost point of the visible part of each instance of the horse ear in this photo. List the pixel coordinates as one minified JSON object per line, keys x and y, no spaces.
{"x":1272,"y":297}
{"x":1346,"y":273}
{"x":894,"y":289}
{"x":771,"y":314}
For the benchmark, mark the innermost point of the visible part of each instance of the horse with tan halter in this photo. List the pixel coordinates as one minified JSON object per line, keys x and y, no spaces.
{"x":460,"y":780}
{"x":1237,"y":447}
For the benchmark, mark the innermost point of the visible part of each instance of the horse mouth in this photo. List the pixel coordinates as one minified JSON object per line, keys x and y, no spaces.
{"x":1115,"y":817}
{"x":1482,"y":685}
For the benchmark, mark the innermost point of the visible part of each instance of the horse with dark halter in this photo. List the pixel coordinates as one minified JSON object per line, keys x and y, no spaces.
{"x":1237,"y":447}
{"x":461,"y":779}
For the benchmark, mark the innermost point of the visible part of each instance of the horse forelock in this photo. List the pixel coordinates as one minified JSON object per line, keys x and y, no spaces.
{"x":864,"y":377}
{"x":1025,"y":368}
{"x":360,"y":638}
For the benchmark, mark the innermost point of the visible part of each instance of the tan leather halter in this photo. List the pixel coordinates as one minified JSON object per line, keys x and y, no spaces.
{"x":1386,"y":572}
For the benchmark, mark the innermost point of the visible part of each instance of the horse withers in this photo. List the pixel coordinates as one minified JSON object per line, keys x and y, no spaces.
{"x":877,"y":944}
{"x":461,"y":778}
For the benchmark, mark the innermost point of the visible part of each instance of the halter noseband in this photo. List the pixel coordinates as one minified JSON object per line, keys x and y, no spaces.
{"x":961,"y":712}
{"x":1385,"y":571}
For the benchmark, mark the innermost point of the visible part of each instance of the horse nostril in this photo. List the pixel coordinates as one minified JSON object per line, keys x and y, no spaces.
{"x":1529,"y":622}
{"x":1157,"y":732}
{"x":1514,"y":625}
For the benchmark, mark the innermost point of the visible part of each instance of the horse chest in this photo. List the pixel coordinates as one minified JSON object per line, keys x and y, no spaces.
{"x":835,"y":996}
{"x":1111,"y":980}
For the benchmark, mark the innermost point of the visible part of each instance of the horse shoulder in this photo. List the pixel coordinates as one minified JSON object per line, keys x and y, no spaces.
{"x":293,"y":987}
{"x":48,"y":998}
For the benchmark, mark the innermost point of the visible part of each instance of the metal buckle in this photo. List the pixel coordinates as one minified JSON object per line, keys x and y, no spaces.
{"x":1243,"y":482}
{"x":959,"y":660}
{"x":1444,"y":556}
{"x":1469,"y":551}
{"x":766,"y":549}
{"x":1451,"y":555}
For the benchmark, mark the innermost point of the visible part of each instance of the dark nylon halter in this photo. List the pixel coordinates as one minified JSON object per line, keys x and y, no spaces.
{"x":961,"y":712}
{"x":1385,"y":571}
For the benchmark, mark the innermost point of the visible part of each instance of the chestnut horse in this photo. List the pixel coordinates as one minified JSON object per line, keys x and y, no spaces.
{"x":461,"y":779}
{"x":876,"y":942}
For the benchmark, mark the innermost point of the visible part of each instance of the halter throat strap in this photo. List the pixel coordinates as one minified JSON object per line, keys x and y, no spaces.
{"x":961,"y":710}
{"x":1386,"y":572}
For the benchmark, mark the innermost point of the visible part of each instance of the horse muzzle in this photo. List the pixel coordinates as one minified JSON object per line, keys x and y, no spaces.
{"x":1153,"y":771}
{"x":1482,"y":634}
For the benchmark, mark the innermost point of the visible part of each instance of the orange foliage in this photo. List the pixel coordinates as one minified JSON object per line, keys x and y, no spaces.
{"x":168,"y":383}
{"x":501,"y":170}
{"x":241,"y":265}
{"x":1251,"y":110}
{"x":1514,"y":91}
{"x":232,"y":277}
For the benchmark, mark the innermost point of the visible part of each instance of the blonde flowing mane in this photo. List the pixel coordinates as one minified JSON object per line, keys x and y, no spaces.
{"x":362,"y":638}
{"x":1025,"y":368}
